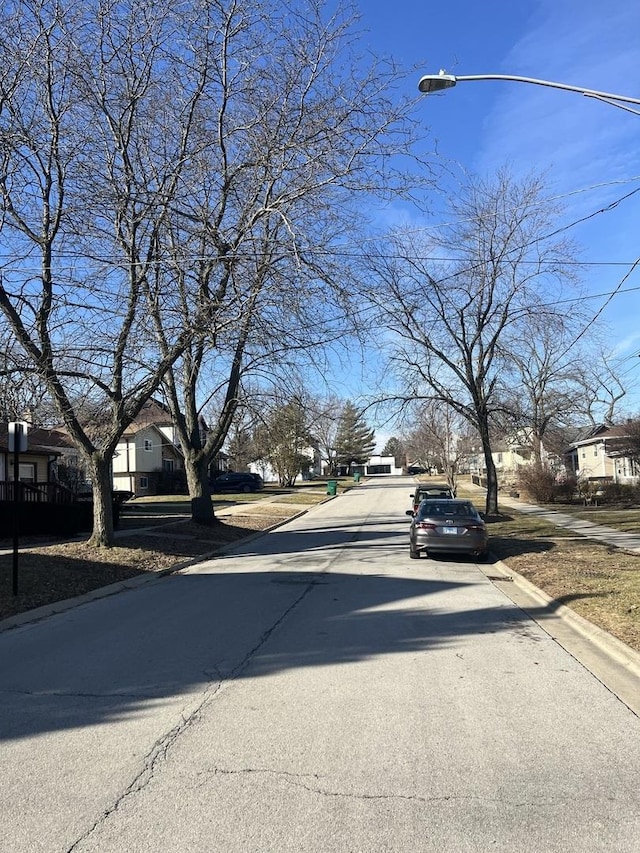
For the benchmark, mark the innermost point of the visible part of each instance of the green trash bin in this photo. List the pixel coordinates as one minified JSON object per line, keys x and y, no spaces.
{"x":356,"y":477}
{"x":332,"y":487}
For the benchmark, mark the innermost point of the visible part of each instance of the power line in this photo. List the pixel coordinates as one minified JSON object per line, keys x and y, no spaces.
{"x":601,"y":309}
{"x":344,"y":253}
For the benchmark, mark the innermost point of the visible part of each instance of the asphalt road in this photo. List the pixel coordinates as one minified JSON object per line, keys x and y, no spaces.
{"x":316,"y":690}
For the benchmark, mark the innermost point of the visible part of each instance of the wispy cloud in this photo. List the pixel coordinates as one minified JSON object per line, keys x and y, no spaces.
{"x":581,"y":141}
{"x":588,"y":44}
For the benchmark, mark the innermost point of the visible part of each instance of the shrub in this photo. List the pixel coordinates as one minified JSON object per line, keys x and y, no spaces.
{"x":538,"y":482}
{"x":617,"y":492}
{"x":566,"y":487}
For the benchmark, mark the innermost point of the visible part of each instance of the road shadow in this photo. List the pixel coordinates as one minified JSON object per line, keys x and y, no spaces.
{"x":185,"y":634}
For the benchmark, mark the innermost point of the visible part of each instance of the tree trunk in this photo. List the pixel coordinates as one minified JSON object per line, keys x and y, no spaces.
{"x":197,"y":471}
{"x":102,"y":535}
{"x":491,"y":507}
{"x":536,"y":449}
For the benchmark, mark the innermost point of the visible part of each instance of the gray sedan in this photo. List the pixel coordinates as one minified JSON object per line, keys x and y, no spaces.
{"x":447,"y":526}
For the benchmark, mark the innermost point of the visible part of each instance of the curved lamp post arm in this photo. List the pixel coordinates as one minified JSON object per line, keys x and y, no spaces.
{"x":439,"y":82}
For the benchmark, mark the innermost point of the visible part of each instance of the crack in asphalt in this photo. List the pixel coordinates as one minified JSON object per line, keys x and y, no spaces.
{"x":154,"y":756}
{"x":165,"y":742}
{"x":297,"y":780}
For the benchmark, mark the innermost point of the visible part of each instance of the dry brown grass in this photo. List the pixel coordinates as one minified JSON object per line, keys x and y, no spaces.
{"x":600,"y":582}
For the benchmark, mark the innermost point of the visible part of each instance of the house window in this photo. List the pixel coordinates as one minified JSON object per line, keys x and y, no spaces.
{"x":499,"y":458}
{"x":595,"y":451}
{"x":144,"y":482}
{"x":584,"y":454}
{"x":26,"y":471}
{"x":148,"y":444}
{"x":167,"y":465}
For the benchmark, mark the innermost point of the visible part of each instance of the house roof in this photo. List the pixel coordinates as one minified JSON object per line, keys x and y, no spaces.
{"x":587,"y":435}
{"x":40,"y":441}
{"x":617,"y":431}
{"x":153,"y":412}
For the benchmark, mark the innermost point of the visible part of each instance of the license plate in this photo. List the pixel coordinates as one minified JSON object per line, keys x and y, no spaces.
{"x":452,"y":531}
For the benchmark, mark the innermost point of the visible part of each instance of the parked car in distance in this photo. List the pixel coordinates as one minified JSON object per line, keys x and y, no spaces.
{"x":416,"y":469}
{"x":447,"y":526}
{"x":430,"y":491}
{"x":237,"y":481}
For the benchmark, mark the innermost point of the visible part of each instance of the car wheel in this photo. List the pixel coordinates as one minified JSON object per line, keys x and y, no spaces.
{"x":246,"y":489}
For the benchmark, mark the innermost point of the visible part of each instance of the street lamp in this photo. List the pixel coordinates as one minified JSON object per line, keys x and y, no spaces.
{"x":438,"y":82}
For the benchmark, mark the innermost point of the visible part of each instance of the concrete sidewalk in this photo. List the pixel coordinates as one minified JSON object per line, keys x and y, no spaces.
{"x":588,"y":529}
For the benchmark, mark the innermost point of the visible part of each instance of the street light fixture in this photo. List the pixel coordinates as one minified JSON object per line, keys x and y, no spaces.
{"x":438,"y":82}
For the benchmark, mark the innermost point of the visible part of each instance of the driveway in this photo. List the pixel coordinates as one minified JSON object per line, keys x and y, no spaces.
{"x":314,"y":690}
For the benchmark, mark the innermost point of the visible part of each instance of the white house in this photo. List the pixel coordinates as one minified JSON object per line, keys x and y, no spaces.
{"x":596,"y":457}
{"x":378,"y":465}
{"x":144,"y":458}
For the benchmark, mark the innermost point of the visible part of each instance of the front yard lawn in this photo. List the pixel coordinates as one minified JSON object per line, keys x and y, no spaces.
{"x":600,"y":582}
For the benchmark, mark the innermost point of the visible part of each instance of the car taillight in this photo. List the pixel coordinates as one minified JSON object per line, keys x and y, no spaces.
{"x":424,"y":525}
{"x":479,"y":527}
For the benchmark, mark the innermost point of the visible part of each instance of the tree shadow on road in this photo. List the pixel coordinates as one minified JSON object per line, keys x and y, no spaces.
{"x":185,"y":634}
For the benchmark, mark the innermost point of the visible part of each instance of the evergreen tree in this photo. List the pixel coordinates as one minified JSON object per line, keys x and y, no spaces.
{"x":240,"y":448}
{"x":354,"y":440}
{"x":394,"y":447}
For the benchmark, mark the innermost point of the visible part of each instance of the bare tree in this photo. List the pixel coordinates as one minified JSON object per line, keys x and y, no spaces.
{"x":544,"y":393}
{"x":323,"y":414}
{"x":455,"y":321}
{"x":436,"y":439}
{"x":22,"y":394}
{"x":96,"y":125}
{"x":600,"y":388}
{"x":174,"y":180}
{"x":297,"y":128}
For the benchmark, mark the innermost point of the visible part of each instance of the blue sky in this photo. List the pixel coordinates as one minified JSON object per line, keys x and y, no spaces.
{"x":589,"y":150}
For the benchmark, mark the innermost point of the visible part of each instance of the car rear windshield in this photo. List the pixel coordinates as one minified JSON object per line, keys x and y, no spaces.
{"x":430,"y":508}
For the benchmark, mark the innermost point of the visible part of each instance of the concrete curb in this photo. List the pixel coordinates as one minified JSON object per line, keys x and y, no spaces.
{"x":613,"y":662}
